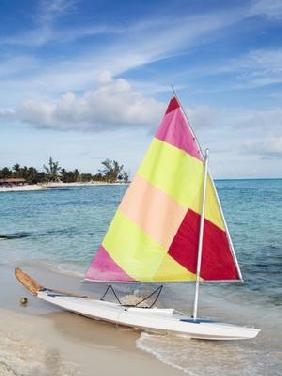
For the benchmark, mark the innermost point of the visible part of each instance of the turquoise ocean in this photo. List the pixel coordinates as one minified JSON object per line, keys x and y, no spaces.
{"x":62,"y":228}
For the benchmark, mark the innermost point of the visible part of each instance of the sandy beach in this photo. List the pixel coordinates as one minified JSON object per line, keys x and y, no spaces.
{"x":65,"y":344}
{"x":38,"y":339}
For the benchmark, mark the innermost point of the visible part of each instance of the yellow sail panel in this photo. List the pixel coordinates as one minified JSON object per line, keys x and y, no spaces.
{"x":132,"y":249}
{"x":177,"y":169}
{"x":171,"y":271}
{"x":212,"y":206}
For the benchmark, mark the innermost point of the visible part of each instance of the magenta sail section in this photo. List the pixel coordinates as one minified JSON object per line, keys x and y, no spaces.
{"x":103,"y":268}
{"x":175,"y":130}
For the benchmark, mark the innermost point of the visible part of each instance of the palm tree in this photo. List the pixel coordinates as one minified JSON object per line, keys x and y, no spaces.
{"x":5,"y":173}
{"x":53,"y":170}
{"x":16,"y":169}
{"x":125,"y":177}
{"x":112,"y":170}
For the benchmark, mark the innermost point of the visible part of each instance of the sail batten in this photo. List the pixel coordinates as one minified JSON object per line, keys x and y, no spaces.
{"x":153,"y":236}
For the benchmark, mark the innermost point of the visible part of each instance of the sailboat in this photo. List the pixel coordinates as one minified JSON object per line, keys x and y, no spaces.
{"x":169,"y":227}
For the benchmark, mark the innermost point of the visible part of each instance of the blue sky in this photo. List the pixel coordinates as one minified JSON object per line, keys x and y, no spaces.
{"x":83,"y":80}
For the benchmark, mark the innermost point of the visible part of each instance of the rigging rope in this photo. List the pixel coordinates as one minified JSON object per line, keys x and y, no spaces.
{"x":156,"y":292}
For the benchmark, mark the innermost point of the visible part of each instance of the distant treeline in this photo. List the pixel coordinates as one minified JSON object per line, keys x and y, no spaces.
{"x":111,"y":171}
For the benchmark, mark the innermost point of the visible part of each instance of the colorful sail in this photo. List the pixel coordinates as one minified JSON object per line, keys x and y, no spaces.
{"x":154,"y":234}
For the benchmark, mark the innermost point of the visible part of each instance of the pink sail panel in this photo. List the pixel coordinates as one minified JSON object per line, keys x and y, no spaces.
{"x":174,"y":130}
{"x":160,"y":225}
{"x":103,"y":268}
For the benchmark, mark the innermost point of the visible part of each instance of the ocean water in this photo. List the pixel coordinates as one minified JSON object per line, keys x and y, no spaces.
{"x":62,"y":228}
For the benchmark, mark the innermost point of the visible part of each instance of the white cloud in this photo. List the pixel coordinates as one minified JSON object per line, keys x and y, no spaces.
{"x":169,"y":29}
{"x":157,"y":33}
{"x":113,"y":105}
{"x":16,"y":66}
{"x":247,"y":140}
{"x":268,"y":120}
{"x":270,"y":147}
{"x":268,"y":8}
{"x":259,"y":68}
{"x":203,"y":117}
{"x":51,"y":9}
{"x":44,"y":35}
{"x":7,"y":113}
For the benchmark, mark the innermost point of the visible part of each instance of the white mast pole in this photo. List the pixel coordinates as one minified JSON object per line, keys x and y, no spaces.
{"x":201,"y":238}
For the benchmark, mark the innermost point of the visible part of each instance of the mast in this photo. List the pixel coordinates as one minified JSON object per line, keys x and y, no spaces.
{"x":201,"y":238}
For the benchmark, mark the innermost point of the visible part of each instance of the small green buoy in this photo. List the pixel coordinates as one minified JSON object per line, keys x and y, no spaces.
{"x":23,"y":300}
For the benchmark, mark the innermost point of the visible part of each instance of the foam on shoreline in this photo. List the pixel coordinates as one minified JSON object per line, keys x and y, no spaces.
{"x":24,"y":188}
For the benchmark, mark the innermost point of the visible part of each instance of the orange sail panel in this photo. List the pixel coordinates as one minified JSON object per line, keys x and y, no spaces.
{"x":154,"y":234}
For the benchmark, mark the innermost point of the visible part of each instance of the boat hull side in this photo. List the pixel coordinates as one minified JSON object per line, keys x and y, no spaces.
{"x":151,"y":320}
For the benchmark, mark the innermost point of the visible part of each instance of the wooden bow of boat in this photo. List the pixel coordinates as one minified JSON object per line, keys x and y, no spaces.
{"x":34,"y":287}
{"x":29,"y":283}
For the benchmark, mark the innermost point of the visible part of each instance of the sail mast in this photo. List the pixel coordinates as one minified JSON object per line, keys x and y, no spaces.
{"x":201,"y":238}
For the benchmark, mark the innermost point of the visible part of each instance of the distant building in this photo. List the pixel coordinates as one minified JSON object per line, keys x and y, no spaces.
{"x":12,"y":182}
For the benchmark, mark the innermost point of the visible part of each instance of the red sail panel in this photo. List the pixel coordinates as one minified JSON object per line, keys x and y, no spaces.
{"x":173,"y":105}
{"x":217,"y":260}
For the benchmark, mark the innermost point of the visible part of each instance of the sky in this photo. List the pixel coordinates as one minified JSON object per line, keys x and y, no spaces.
{"x":84,"y":80}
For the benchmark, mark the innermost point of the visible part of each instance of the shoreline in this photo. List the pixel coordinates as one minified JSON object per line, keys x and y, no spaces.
{"x":40,"y":187}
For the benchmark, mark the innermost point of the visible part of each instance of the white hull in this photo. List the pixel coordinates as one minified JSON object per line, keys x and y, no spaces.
{"x":154,"y":319}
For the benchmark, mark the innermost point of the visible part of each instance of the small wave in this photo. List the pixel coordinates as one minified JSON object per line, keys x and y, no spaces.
{"x":68,"y":269}
{"x":19,"y":235}
{"x":61,"y":268}
{"x":16,"y":235}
